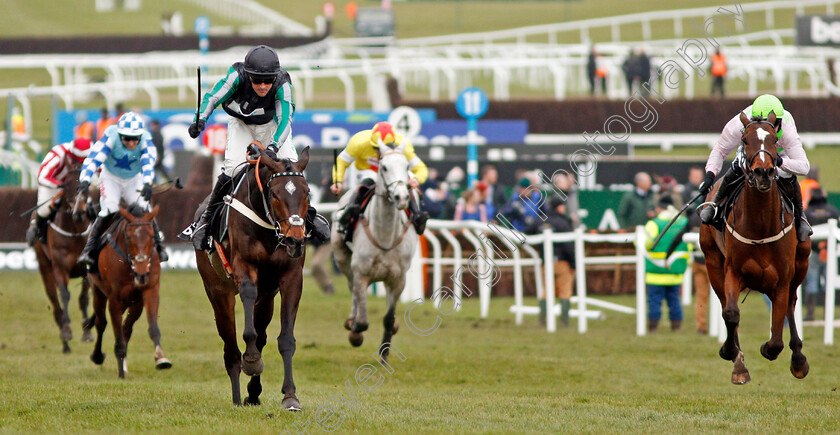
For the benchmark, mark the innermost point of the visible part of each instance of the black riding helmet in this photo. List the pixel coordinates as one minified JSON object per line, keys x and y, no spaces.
{"x":262,"y":61}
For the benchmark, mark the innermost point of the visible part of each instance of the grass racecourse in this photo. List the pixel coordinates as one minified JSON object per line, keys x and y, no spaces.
{"x":471,"y":375}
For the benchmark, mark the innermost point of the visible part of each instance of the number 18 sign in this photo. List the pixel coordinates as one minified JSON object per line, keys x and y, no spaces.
{"x":472,"y":104}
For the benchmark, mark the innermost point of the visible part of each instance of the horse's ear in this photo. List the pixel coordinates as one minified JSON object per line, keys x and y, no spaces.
{"x":303,"y":159}
{"x":153,"y":213}
{"x":771,"y":118}
{"x":125,"y":214}
{"x":744,"y":119}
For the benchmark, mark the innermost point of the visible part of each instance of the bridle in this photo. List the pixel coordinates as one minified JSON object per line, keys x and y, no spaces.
{"x":132,"y":259}
{"x":746,"y":164}
{"x":294,"y":220}
{"x":388,"y":194}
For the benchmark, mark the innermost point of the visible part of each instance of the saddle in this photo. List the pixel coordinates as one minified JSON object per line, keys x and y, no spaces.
{"x":729,"y":203}
{"x":354,"y":220}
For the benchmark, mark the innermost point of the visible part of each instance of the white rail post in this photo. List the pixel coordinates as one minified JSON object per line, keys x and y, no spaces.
{"x":688,"y":283}
{"x":797,"y":312}
{"x":641,"y":291}
{"x":548,"y":266}
{"x":580,"y":279}
{"x":830,"y":281}
{"x":715,"y":313}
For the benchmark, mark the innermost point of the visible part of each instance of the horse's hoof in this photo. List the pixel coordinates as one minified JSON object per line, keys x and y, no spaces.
{"x":740,"y":378}
{"x":799,"y":368}
{"x":347,"y":324}
{"x":356,"y":339}
{"x":97,"y":358}
{"x":740,"y":374}
{"x":359,"y":327}
{"x":291,"y":404}
{"x":252,"y":402}
{"x":65,"y":348}
{"x":66,"y":332}
{"x":87,"y":336}
{"x":252,"y":368}
{"x":163,"y":364}
{"x":767,"y":353}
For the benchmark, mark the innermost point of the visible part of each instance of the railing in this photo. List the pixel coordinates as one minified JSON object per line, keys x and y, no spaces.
{"x":253,"y":12}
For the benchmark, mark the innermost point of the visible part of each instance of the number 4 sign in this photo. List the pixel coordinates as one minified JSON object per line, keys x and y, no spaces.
{"x":406,"y":121}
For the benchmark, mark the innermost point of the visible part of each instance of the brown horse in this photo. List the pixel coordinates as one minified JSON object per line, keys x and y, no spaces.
{"x":128,"y":279}
{"x":65,"y":239}
{"x":262,"y":255}
{"x":758,"y":251}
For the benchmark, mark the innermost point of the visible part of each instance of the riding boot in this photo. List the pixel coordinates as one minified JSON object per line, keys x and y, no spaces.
{"x":418,"y":218}
{"x":200,"y":239}
{"x":652,"y":325}
{"x":92,"y":246}
{"x":810,"y":306}
{"x":542,"y":317}
{"x":354,"y":207}
{"x":159,"y":243}
{"x":792,"y":190}
{"x":317,"y":225}
{"x":565,"y":307}
{"x":37,"y":230}
{"x":675,"y":325}
{"x":709,"y":214}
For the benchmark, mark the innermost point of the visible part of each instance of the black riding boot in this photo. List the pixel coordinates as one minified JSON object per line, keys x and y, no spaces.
{"x":709,"y":214}
{"x":159,"y":243}
{"x":418,"y":218}
{"x":354,"y":206}
{"x":316,"y":225}
{"x":92,"y":246}
{"x":200,"y":238}
{"x":37,"y":230}
{"x":792,"y":190}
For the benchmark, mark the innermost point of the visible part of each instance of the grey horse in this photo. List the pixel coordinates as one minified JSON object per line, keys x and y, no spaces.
{"x":383,"y":244}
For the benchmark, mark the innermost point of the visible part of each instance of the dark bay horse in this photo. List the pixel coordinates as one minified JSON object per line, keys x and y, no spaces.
{"x":263,"y":254}
{"x":128,"y":279}
{"x":65,"y":239}
{"x":758,"y":251}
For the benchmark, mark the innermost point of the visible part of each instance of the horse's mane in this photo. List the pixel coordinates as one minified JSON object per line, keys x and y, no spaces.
{"x":136,"y":210}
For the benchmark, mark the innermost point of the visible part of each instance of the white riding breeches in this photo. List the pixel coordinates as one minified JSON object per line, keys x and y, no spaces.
{"x":241,"y":134}
{"x":44,"y":195}
{"x":112,"y":188}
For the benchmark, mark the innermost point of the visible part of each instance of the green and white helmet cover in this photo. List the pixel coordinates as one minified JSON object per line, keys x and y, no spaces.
{"x":764,"y":104}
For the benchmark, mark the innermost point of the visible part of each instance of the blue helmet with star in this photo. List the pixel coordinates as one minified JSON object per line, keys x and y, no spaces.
{"x":130,"y":124}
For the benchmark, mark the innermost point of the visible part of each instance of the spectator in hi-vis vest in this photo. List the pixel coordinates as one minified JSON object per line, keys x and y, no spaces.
{"x":718,"y":70}
{"x":664,"y":275}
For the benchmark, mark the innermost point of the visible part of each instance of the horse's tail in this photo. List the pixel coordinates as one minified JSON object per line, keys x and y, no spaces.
{"x":90,"y":322}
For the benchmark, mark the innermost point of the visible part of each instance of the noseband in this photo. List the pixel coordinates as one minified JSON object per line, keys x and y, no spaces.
{"x":747,"y":163}
{"x":132,"y":259}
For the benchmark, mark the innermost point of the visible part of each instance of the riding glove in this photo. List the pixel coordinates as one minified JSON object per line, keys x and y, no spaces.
{"x":146,"y":193}
{"x":707,"y":183}
{"x":778,"y":161}
{"x":196,"y":128}
{"x":84,"y":187}
{"x":271,"y":151}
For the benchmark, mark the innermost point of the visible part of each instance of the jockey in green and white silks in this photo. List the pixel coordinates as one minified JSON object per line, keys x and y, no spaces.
{"x":791,"y":153}
{"x":127,"y":157}
{"x":257,"y":94}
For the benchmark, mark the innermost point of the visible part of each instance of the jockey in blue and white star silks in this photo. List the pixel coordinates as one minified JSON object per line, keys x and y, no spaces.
{"x":127,"y":157}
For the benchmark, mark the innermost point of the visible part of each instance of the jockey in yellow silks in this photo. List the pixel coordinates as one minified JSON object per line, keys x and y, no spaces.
{"x":363,"y":151}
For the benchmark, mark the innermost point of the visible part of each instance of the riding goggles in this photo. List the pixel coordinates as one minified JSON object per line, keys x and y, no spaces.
{"x":129,"y":138}
{"x":262,"y":80}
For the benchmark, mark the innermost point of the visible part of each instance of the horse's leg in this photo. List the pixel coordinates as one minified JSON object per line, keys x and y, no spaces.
{"x":134,"y":312}
{"x":773,"y":347}
{"x":151,"y":301}
{"x":223,"y":308}
{"x":252,"y":363}
{"x":389,"y":322}
{"x":798,"y":363}
{"x":100,"y":302}
{"x":84,"y":301}
{"x":61,"y":280}
{"x":263,"y":312}
{"x":290,"y":299}
{"x":360,"y":320}
{"x":731,"y":349}
{"x":115,"y":308}
{"x":47,"y":276}
{"x":354,"y":303}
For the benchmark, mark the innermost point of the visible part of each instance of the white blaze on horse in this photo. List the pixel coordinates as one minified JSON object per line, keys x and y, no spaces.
{"x":383,"y":243}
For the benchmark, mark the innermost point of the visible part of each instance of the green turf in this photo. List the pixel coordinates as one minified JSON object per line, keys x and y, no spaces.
{"x":471,"y":375}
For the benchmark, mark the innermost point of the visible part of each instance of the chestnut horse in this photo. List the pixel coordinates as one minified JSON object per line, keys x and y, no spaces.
{"x":128,"y":278}
{"x":758,"y":251}
{"x":262,"y":255}
{"x":65,"y":237}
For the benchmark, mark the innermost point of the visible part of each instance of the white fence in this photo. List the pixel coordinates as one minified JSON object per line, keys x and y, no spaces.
{"x":479,"y":236}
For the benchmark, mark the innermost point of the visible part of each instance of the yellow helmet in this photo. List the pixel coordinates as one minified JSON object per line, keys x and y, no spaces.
{"x":384,"y":132}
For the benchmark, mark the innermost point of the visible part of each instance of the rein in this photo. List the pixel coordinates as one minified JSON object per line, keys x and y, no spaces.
{"x":373,"y":239}
{"x":116,"y":247}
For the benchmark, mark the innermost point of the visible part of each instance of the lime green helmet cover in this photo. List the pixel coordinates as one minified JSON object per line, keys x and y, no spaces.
{"x":764,"y":104}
